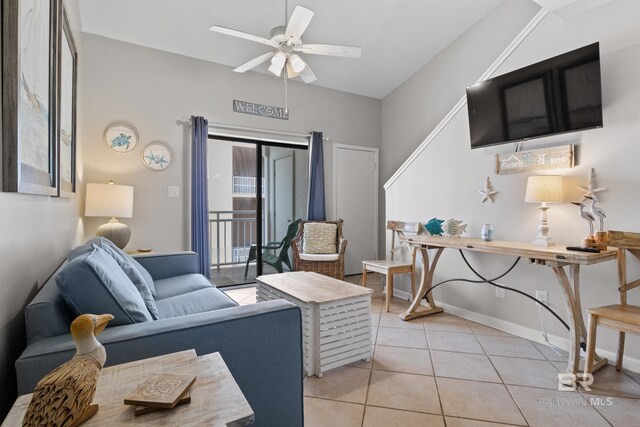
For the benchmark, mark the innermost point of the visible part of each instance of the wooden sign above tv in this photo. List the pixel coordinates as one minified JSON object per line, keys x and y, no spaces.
{"x":547,"y":158}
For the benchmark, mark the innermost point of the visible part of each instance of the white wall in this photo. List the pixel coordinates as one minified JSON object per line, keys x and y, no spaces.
{"x":445,"y":179}
{"x":411,"y":111}
{"x":152,"y":89}
{"x":36,"y":233}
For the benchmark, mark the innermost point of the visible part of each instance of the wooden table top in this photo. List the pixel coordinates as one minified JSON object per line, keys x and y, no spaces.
{"x":313,"y":287}
{"x":557,"y":253}
{"x":216,"y":399}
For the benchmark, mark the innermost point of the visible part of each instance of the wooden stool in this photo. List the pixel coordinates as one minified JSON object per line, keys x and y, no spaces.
{"x":390,"y":267}
{"x":621,"y":317}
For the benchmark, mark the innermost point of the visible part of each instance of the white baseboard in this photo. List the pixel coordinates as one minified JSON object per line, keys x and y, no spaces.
{"x":630,"y":363}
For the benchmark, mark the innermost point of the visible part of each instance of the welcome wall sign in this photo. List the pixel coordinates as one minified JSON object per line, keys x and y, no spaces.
{"x":547,"y":158}
{"x":260,"y":110}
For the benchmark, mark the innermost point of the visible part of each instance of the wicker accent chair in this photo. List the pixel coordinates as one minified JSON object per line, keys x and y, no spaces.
{"x":333,"y":268}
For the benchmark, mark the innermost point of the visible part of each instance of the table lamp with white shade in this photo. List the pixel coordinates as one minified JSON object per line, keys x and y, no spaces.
{"x":544,"y":189}
{"x":113,"y":201}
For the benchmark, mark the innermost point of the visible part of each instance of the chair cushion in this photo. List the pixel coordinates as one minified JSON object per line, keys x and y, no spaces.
{"x":319,"y":238}
{"x":132,"y":268}
{"x":319,"y":257}
{"x":208,"y":299}
{"x":178,"y":285}
{"x":95,"y":283}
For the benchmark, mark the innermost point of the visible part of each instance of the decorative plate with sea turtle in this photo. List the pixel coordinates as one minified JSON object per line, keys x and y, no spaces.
{"x":120,"y":138}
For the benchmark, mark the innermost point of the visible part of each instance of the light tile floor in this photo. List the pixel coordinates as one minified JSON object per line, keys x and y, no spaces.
{"x":443,"y":370}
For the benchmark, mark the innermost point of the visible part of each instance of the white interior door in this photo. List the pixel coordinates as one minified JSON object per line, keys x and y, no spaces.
{"x":283,"y":180}
{"x":355,"y":185}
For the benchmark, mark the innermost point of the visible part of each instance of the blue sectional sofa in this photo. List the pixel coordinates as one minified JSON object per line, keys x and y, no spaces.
{"x":261,"y":343}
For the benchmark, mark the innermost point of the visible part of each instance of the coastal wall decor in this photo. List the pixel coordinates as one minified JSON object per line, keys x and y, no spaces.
{"x":561,"y":157}
{"x":260,"y":110}
{"x":156,"y":156}
{"x":454,"y":227}
{"x":120,"y":138}
{"x":591,"y":188}
{"x":434,"y":226}
{"x":29,"y":68}
{"x":488,"y":193}
{"x":68,"y":60}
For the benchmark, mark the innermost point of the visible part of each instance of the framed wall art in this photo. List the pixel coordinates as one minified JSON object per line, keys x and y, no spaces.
{"x":68,"y":59}
{"x":120,"y":138}
{"x":29,"y":102}
{"x":156,"y":156}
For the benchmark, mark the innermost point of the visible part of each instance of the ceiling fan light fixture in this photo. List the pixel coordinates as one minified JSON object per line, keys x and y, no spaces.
{"x":279,"y":59}
{"x":296,"y":63}
{"x":275,"y":69}
{"x":277,"y":63}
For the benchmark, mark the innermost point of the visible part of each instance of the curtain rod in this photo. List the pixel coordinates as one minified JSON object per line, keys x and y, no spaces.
{"x":272,"y":132}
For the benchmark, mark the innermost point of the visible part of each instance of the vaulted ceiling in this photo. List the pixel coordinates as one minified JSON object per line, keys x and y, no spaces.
{"x":397,"y":37}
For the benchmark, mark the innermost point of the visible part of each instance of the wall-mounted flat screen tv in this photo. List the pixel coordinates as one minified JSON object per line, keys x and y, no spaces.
{"x":560,"y":94}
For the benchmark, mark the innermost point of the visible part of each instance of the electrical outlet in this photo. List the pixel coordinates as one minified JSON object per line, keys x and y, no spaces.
{"x":500,"y":293}
{"x":542,"y":297}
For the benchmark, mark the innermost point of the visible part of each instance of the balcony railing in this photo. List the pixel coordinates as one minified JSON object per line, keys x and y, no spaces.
{"x":231,"y":234}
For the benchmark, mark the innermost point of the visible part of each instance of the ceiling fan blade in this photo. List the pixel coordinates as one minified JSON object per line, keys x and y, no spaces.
{"x":240,"y":34}
{"x":331,"y":50}
{"x":307,"y":75}
{"x":299,"y":21}
{"x":290,"y":73}
{"x":254,"y":62}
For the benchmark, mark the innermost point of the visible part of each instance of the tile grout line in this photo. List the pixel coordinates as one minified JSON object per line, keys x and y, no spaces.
{"x":435,"y":379}
{"x":515,"y":402}
{"x":366,"y":397}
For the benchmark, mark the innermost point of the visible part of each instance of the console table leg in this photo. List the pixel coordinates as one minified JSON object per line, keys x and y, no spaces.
{"x":576,"y":321}
{"x":426,"y":281}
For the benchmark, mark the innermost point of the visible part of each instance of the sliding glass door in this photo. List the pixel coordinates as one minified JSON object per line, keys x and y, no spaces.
{"x":257,"y":190}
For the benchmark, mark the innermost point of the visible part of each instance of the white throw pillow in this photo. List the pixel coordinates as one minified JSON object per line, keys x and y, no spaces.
{"x":319,"y":238}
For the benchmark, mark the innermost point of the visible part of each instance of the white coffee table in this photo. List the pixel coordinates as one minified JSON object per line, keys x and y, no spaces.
{"x":336,"y":316}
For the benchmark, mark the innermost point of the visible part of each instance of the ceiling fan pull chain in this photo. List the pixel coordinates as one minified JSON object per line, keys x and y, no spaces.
{"x":286,"y":94}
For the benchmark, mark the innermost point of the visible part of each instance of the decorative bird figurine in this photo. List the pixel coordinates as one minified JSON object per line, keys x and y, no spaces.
{"x":64,"y":396}
{"x":454,"y":227}
{"x":488,"y":193}
{"x":434,"y":226}
{"x":587,"y":216}
{"x":597,"y":211}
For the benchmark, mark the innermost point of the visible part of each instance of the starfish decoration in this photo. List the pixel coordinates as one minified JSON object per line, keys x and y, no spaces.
{"x":488,"y":193}
{"x":155,"y":159}
{"x":591,"y":190}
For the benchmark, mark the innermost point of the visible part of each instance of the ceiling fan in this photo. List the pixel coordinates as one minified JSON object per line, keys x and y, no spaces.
{"x":287,"y":40}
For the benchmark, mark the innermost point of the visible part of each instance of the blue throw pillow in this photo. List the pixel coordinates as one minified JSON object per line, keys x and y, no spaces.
{"x":95,"y":283}
{"x":131,"y":268}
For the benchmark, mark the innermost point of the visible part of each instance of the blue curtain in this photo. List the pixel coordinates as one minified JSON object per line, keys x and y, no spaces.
{"x":316,"y":209}
{"x":199,"y":195}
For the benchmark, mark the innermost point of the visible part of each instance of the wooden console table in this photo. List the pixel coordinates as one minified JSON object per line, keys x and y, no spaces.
{"x":556,"y":257}
{"x":216,"y":399}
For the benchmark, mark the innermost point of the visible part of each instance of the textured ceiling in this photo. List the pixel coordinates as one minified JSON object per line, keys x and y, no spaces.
{"x":397,"y":37}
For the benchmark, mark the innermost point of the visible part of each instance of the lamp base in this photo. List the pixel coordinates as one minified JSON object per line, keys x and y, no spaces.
{"x":115,"y":231}
{"x":543,"y":241}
